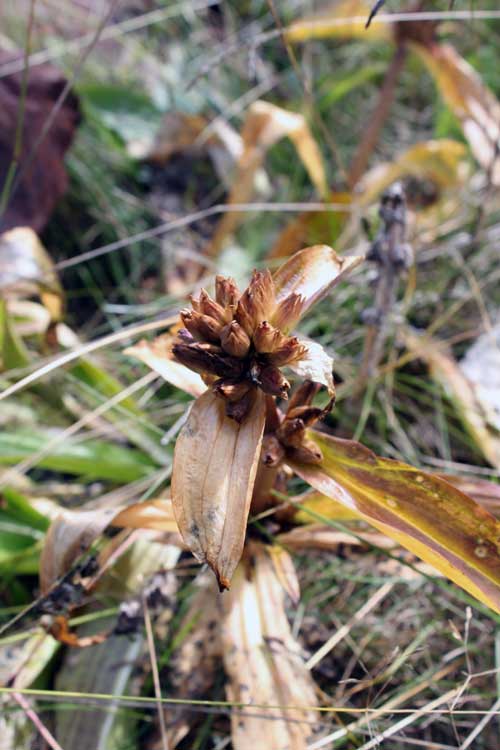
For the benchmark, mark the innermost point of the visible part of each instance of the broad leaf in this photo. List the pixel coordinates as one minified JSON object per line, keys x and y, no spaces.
{"x":422,"y":512}
{"x":215,"y":463}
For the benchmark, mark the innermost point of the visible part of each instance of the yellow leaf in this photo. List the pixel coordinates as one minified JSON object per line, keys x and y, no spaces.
{"x":422,"y":512}
{"x":215,"y":463}
{"x":265,"y":125}
{"x":346,"y":19}
{"x":470,"y":100}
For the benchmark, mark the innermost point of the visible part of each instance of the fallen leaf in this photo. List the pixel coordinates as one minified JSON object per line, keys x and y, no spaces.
{"x":322,"y":537}
{"x":41,"y":174}
{"x":215,"y":463}
{"x":263,"y":661}
{"x":72,"y":533}
{"x":420,"y":511}
{"x":265,"y":124}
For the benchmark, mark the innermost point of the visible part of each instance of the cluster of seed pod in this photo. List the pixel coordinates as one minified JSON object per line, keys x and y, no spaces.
{"x":237,"y":341}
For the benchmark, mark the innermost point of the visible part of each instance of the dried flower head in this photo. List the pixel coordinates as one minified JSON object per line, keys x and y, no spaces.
{"x":234,"y":343}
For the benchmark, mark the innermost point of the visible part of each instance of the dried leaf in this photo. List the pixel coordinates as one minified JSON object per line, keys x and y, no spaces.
{"x":26,"y":269}
{"x":315,"y":365}
{"x":346,"y":19}
{"x":482,"y":491}
{"x":157,"y":355}
{"x":266,"y":124}
{"x":309,"y":274}
{"x":41,"y":173}
{"x":72,"y":533}
{"x":284,"y":570}
{"x":420,"y":511}
{"x":470,"y":100}
{"x":263,"y":662}
{"x":462,"y":392}
{"x":215,"y":463}
{"x":319,"y":536}
{"x":321,"y":504}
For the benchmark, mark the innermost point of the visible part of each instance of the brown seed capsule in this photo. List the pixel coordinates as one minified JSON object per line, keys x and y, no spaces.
{"x":292,"y":433}
{"x":266,"y":338}
{"x":273,"y":382}
{"x":210,"y":307}
{"x":307,"y":453}
{"x":239,"y":410}
{"x":272,"y":452}
{"x":207,"y":358}
{"x":231,"y":390}
{"x":201,"y":327}
{"x":257,"y":301}
{"x":288,"y":311}
{"x":290,"y":350}
{"x":234,"y":340}
{"x":226,"y":291}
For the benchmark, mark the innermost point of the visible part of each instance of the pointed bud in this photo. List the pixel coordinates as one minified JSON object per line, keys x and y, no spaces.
{"x":231,"y":390}
{"x":272,"y":452}
{"x":292,"y":433}
{"x":288,"y":312}
{"x":266,"y":338}
{"x":210,"y":307}
{"x":290,"y":350}
{"x":234,"y":340}
{"x":307,"y":453}
{"x":226,"y":291}
{"x":273,"y":382}
{"x":257,"y":302}
{"x":202,"y":327}
{"x":309,"y":414}
{"x":207,"y":359}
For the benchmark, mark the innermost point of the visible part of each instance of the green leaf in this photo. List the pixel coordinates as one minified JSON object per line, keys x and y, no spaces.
{"x":93,"y":459}
{"x":423,"y":513}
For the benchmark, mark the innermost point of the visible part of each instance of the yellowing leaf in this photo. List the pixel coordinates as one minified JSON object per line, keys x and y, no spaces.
{"x":310,"y":274}
{"x":157,"y":355}
{"x":470,"y":100}
{"x":325,"y":506}
{"x":265,"y":125}
{"x":26,"y":269}
{"x":422,"y":512}
{"x":215,"y":463}
{"x":438,"y":160}
{"x":345,"y":20}
{"x":13,"y":353}
{"x":263,"y":661}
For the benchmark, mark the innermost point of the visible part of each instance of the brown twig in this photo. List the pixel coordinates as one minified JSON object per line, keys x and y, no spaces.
{"x":392,"y":255}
